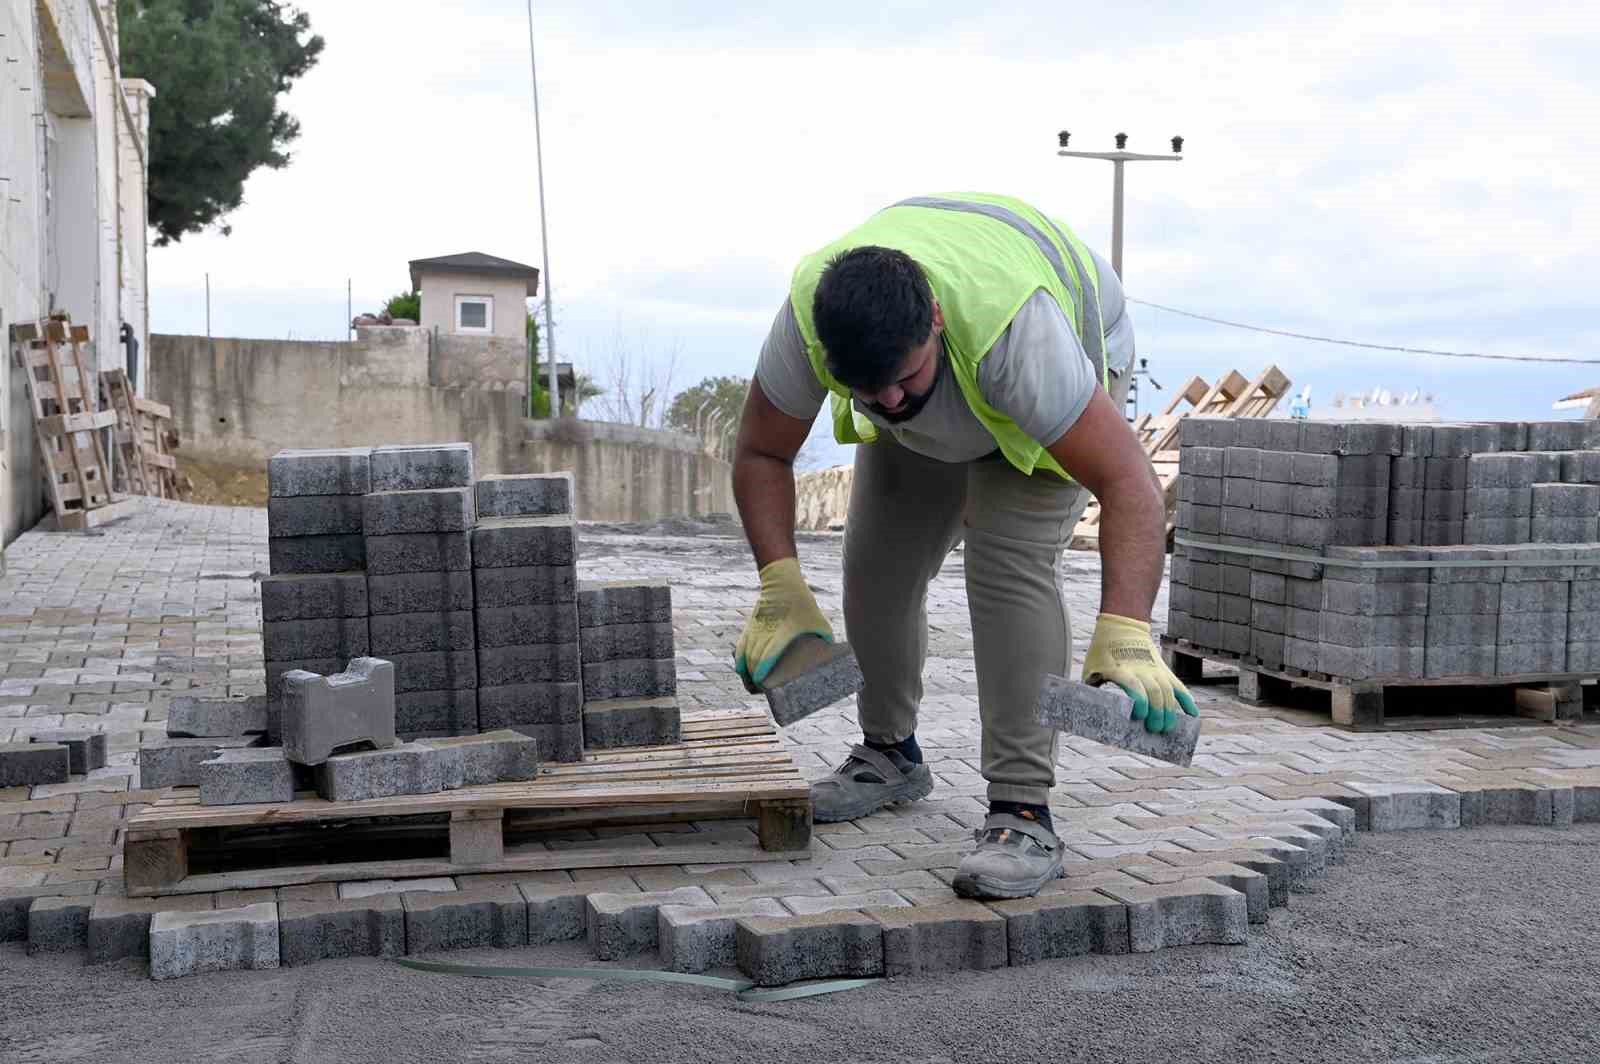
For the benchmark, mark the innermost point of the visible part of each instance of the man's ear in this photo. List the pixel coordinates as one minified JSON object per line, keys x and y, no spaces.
{"x":938,"y":317}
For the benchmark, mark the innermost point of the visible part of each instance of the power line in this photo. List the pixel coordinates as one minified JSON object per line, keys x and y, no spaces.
{"x":1358,"y":343}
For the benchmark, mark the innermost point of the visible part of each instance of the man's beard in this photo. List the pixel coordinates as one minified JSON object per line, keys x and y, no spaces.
{"x":913,"y":407}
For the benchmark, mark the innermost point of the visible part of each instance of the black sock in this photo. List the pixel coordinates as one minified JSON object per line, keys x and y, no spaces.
{"x":906,"y":748}
{"x":1038,"y":813}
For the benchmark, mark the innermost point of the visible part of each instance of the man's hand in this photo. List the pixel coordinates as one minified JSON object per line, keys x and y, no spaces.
{"x":785,"y":611}
{"x":1122,"y":653}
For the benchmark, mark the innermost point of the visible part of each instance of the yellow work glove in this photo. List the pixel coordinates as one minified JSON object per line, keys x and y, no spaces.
{"x":785,"y":611}
{"x":1122,"y":653}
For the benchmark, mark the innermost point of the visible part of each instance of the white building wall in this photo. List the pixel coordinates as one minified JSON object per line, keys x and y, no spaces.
{"x":440,"y":289}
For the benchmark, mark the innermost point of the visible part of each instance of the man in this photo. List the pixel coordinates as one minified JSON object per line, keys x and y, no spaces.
{"x":969,"y":343}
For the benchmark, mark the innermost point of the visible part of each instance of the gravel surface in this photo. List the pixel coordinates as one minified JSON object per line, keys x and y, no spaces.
{"x":1426,"y":948}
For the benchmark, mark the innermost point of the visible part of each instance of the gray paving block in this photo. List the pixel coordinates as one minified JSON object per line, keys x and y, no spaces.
{"x":314,"y":515}
{"x":1519,"y":659}
{"x":435,"y":670}
{"x":1557,"y":435}
{"x":519,"y":704}
{"x":1068,"y":924}
{"x":633,"y":678}
{"x":696,"y":939}
{"x":324,"y":471}
{"x":1240,"y":463}
{"x":1186,"y":913}
{"x":1451,"y":441}
{"x":958,"y":936}
{"x":120,"y":927}
{"x":58,"y":924}
{"x":1302,"y":654}
{"x":561,"y":742}
{"x":176,"y":762}
{"x":1373,"y":599}
{"x":504,"y":626}
{"x":418,"y":552}
{"x":1460,"y":660}
{"x":435,"y":591}
{"x":1491,"y":574}
{"x":412,"y":467}
{"x":1416,"y":441}
{"x":530,"y":664}
{"x":1268,"y":617}
{"x":1104,"y":714}
{"x":623,"y":602}
{"x":247,"y":776}
{"x":330,"y":637}
{"x":316,"y":554}
{"x":774,"y":951}
{"x":1233,"y":638}
{"x":1533,"y":596}
{"x":329,"y":928}
{"x":558,"y":912}
{"x":1581,"y":467}
{"x":428,"y":510}
{"x":407,"y":768}
{"x":1203,"y":491}
{"x":1346,"y":662}
{"x":1504,"y":472}
{"x":1565,"y":500}
{"x":492,"y":915}
{"x":518,"y":542}
{"x":616,"y":642}
{"x":621,"y":925}
{"x":1496,"y":530}
{"x":1370,"y":471}
{"x":1409,"y":806}
{"x":1236,"y":580}
{"x":86,"y":750}
{"x":277,"y":670}
{"x":631,"y":722}
{"x":1201,"y":461}
{"x":435,"y":713}
{"x":220,"y":940}
{"x":414,"y":633}
{"x":524,"y":585}
{"x":501,"y":756}
{"x":322,"y":714}
{"x":308,"y":596}
{"x":1440,"y":533}
{"x":525,"y":494}
{"x":1563,"y":529}
{"x":1402,"y":661}
{"x":1526,"y":804}
{"x":1233,"y":609}
{"x":1238,"y":522}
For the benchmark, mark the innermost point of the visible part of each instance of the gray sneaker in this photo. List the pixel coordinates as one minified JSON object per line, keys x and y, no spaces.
{"x":865,"y":782}
{"x":1015,"y":857}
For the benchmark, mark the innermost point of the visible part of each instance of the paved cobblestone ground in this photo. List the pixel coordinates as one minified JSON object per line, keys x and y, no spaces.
{"x":100,"y":631}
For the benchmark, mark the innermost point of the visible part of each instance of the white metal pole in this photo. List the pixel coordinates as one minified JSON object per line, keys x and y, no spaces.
{"x":1116,"y":217}
{"x":544,"y":230}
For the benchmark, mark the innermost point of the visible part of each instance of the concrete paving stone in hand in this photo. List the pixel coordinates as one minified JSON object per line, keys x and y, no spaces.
{"x":56,"y":925}
{"x":632,"y":678}
{"x":412,"y":467}
{"x":524,"y":585}
{"x":621,"y":925}
{"x":776,"y":950}
{"x":202,"y":718}
{"x":299,"y":640}
{"x":616,"y":642}
{"x":120,"y":927}
{"x":525,"y":494}
{"x":324,"y":471}
{"x":509,"y":626}
{"x":393,"y":513}
{"x":602,"y":602}
{"x":321,"y":714}
{"x":517,"y":542}
{"x":697,"y":939}
{"x":316,"y":554}
{"x":176,"y":762}
{"x":1105,"y":714}
{"x":221,"y":940}
{"x":435,"y":591}
{"x":307,"y":596}
{"x":404,"y":769}
{"x":494,"y":916}
{"x":86,"y":750}
{"x":419,"y":714}
{"x":418,"y":552}
{"x":626,"y":722}
{"x":515,"y":705}
{"x":559,"y":912}
{"x":413,"y":633}
{"x":246,"y":777}
{"x":328,"y":928}
{"x":502,"y":756}
{"x":952,"y":937}
{"x":314,"y":515}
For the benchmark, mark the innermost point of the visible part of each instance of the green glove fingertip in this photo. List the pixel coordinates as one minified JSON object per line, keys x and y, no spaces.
{"x":1141,"y":704}
{"x":1186,"y":700}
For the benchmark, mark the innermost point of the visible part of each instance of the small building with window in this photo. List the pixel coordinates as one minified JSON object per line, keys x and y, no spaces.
{"x":473,"y":294}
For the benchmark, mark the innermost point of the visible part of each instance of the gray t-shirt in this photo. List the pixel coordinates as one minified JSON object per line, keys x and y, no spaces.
{"x":1037,"y":374}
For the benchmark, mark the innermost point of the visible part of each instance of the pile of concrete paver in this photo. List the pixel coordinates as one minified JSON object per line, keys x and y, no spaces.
{"x":1367,"y":550}
{"x":398,"y":580}
{"x":50,"y":756}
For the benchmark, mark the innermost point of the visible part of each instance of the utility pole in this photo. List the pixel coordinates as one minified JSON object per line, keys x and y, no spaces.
{"x":544,"y":231}
{"x":208,"y":306}
{"x":1117,"y":158}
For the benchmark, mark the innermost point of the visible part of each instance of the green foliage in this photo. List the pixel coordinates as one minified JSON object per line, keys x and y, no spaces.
{"x":725,"y":394}
{"x":219,"y":67}
{"x":405,"y":305}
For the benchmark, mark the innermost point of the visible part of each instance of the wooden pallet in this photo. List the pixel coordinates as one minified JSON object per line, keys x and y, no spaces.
{"x":66,"y":419}
{"x":144,"y":436}
{"x":1360,"y":704}
{"x":1232,"y":396}
{"x":728,"y":765}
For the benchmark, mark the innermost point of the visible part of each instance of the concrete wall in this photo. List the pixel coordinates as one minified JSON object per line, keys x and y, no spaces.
{"x":439,"y":291}
{"x":822,"y":498}
{"x":240,"y":401}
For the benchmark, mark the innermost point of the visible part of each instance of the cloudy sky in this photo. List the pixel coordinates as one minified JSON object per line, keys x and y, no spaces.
{"x":1413,"y":174}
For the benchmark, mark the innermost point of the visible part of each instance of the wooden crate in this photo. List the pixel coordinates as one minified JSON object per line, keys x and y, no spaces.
{"x":729,"y":764}
{"x":1363,"y":705}
{"x":145,"y":439}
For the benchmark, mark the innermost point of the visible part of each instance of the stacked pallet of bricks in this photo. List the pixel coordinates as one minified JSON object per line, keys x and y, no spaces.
{"x":629,"y":678}
{"x":1316,"y":547}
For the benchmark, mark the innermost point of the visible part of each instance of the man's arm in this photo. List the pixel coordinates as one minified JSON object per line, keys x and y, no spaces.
{"x":763,"y":475}
{"x":1101,"y":452}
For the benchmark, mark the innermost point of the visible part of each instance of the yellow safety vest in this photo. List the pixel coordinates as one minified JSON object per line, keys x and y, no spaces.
{"x":984,"y":257}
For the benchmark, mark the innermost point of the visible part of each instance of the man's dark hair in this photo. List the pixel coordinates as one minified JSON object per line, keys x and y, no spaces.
{"x":872,"y":306}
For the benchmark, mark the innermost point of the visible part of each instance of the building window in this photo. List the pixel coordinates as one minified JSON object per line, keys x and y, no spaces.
{"x":474,"y":314}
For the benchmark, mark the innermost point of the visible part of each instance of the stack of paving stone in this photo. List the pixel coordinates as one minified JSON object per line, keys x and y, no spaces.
{"x":1268,"y":507}
{"x":630,"y":681}
{"x":418,"y":525}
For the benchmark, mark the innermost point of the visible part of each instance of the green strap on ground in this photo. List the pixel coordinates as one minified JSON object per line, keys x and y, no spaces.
{"x":742,"y":988}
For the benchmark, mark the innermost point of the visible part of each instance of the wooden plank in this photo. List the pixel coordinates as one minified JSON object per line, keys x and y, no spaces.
{"x":154,"y":861}
{"x":61,"y":424}
{"x":77,"y":520}
{"x":784,"y":825}
{"x":153,"y":408}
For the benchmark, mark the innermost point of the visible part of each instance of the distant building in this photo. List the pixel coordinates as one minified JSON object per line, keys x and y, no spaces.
{"x":473,"y":294}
